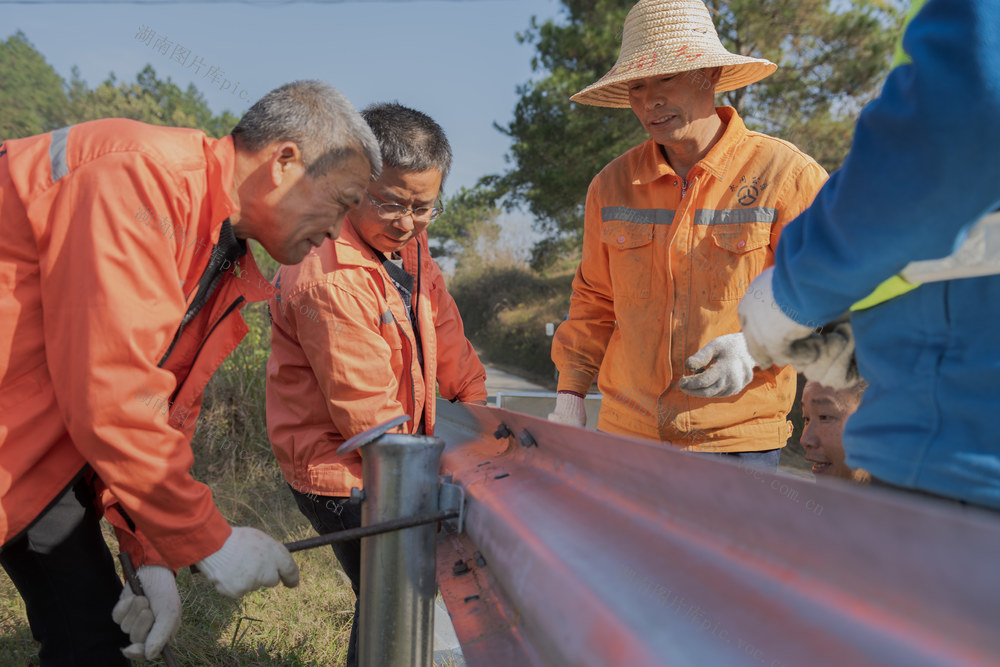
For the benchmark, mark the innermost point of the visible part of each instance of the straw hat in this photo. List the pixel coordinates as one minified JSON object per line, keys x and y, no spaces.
{"x":663,"y":37}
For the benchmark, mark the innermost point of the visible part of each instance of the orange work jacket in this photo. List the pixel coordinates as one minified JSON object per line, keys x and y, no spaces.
{"x":107,"y":228}
{"x":665,"y":262}
{"x":343,"y":357}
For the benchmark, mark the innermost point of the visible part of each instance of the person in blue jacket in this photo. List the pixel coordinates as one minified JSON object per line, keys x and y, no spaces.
{"x":924,"y":168}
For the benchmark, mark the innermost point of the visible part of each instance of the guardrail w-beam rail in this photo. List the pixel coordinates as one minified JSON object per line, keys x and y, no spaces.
{"x":584,"y":548}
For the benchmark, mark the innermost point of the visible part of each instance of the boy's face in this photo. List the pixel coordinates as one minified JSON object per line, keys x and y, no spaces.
{"x":825,"y":412}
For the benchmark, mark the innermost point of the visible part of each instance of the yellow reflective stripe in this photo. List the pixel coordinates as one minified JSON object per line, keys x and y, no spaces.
{"x":890,"y":289}
{"x":901,"y":57}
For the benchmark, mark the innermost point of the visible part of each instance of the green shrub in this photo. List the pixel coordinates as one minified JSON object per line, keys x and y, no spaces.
{"x":505,"y":310}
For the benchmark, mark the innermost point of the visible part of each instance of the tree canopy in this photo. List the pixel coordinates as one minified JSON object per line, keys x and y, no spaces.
{"x":37,"y":99}
{"x":34,"y":96}
{"x":469,"y":215}
{"x":832,"y":58}
{"x":831,"y":62}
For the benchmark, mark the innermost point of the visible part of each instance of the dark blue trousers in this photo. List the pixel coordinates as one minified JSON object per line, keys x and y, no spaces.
{"x":329,"y":514}
{"x":64,"y":571}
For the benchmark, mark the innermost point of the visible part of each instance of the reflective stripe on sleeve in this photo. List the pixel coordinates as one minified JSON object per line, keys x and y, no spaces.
{"x":57,"y":153}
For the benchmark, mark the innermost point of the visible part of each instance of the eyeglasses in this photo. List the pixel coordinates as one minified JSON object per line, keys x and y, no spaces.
{"x":390,"y":211}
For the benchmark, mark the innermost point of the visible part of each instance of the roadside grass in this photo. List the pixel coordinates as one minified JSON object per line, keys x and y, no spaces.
{"x":306,"y":625}
{"x":505,"y":308}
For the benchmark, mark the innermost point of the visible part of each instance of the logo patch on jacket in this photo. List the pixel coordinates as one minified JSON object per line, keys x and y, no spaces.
{"x":748,"y":192}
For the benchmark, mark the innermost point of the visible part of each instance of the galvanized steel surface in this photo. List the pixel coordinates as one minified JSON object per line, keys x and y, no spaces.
{"x":400,"y":474}
{"x":599,"y":550}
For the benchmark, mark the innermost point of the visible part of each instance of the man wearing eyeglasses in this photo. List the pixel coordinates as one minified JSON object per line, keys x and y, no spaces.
{"x":363,"y":329}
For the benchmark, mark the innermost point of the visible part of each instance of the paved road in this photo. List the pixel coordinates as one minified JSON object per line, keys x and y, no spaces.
{"x":498,"y":380}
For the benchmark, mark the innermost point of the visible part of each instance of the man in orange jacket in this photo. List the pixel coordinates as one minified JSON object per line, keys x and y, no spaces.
{"x":675,"y":229}
{"x":363,"y":329}
{"x":123,"y":268}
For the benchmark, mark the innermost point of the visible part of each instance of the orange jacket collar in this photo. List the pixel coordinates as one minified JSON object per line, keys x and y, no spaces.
{"x":351,"y":250}
{"x":221,"y":173}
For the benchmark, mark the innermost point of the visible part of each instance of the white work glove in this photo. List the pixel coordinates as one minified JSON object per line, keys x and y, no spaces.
{"x":149,"y":620}
{"x":569,"y":410}
{"x":721,"y":368}
{"x":774,"y":338}
{"x":248,"y":560}
{"x":769,"y":332}
{"x":828,"y":358}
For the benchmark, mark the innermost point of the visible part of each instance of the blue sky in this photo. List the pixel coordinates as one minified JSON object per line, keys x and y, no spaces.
{"x":458,"y":61}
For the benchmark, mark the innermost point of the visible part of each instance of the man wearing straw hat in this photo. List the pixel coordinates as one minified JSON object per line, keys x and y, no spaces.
{"x":675,"y":229}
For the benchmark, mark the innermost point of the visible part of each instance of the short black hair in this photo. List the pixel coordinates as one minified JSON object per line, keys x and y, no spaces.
{"x":409,"y":139}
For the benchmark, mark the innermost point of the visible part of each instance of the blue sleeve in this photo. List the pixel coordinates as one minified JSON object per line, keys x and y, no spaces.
{"x":924,"y":166}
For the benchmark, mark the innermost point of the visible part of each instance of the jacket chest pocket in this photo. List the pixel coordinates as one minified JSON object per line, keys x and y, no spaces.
{"x":732,"y":256}
{"x":630,"y":257}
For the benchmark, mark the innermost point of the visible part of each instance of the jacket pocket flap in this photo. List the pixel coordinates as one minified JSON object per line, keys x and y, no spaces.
{"x":623,"y":235}
{"x":742,"y":240}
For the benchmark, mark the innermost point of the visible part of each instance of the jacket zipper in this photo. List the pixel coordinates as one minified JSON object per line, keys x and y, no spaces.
{"x":177,"y":390}
{"x":416,"y":292}
{"x":416,"y":331}
{"x":409,"y":345}
{"x":413,"y":385}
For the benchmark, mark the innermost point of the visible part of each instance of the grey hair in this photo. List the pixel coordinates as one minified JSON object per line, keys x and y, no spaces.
{"x":410,"y":139}
{"x":317,"y":118}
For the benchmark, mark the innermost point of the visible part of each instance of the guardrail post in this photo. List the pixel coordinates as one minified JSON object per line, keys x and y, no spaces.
{"x":398,"y":584}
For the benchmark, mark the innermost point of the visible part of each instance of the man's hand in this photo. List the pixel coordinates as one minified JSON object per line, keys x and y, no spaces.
{"x":722,"y":368}
{"x":150,"y":620}
{"x":569,"y":410}
{"x":248,"y":560}
{"x":768,"y":331}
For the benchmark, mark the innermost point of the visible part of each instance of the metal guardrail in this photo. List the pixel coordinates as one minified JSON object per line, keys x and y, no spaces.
{"x":584,"y":548}
{"x":503,"y":395}
{"x":541,"y":403}
{"x":396,"y":624}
